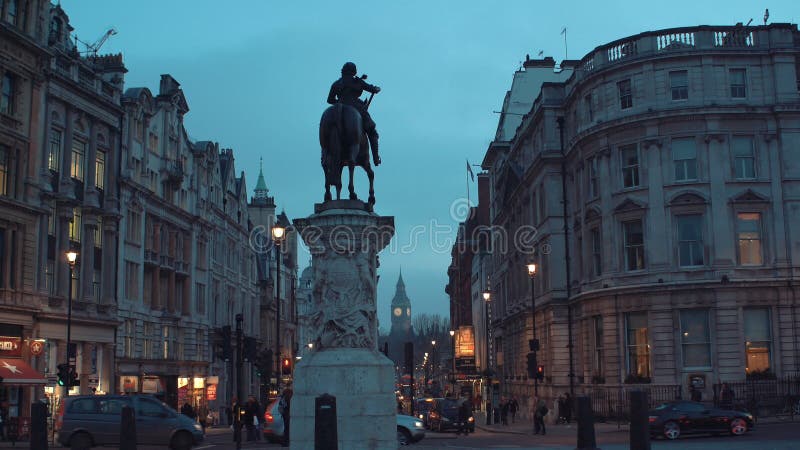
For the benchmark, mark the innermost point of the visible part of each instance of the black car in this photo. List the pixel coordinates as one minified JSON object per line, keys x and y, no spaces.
{"x":444,"y":415}
{"x":673,"y":419}
{"x":422,"y":407}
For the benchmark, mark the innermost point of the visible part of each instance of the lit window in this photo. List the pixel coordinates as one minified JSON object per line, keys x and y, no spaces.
{"x":638,"y":354}
{"x":5,"y":170}
{"x":695,"y":338}
{"x":679,"y":85}
{"x":690,"y":240}
{"x":54,"y":155}
{"x":758,"y":340}
{"x":684,"y":158}
{"x":748,"y":226}
{"x":75,"y":226}
{"x":78,"y":155}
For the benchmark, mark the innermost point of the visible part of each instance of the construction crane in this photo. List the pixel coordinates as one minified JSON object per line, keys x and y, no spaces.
{"x":92,"y":49}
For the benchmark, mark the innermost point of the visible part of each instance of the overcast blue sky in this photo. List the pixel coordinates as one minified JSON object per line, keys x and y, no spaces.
{"x":256,"y":75}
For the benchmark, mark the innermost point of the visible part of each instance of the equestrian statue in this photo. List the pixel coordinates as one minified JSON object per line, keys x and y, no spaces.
{"x":347,"y":133}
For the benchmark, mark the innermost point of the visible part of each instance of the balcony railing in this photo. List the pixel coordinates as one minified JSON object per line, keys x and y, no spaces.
{"x":701,"y":38}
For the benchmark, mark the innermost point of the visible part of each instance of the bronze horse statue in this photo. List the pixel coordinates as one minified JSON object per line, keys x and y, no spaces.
{"x":344,"y":143}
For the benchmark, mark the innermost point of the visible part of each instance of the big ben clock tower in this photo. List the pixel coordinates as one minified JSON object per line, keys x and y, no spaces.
{"x":401,"y":311}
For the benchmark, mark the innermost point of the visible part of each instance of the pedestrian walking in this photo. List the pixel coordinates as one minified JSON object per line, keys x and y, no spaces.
{"x":187,"y":410}
{"x":567,"y":408}
{"x":727,"y":396}
{"x":464,"y":413}
{"x":249,"y":418}
{"x":284,"y":407}
{"x":513,"y":407}
{"x":540,"y":410}
{"x":504,"y":411}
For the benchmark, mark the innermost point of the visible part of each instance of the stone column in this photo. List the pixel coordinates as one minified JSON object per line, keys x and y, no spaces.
{"x":108,"y":268}
{"x":659,"y":254}
{"x":344,"y":239}
{"x":775,"y":174}
{"x":719,"y":170}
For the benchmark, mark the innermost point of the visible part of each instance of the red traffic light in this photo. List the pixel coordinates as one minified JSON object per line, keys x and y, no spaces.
{"x":286,"y":366}
{"x":540,"y":372}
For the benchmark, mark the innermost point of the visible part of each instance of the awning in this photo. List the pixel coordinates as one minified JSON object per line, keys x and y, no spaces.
{"x":17,"y":371}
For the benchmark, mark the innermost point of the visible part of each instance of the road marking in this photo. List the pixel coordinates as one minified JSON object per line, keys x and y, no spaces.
{"x":202,"y":447}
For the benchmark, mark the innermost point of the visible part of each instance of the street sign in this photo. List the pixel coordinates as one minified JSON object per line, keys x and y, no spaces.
{"x":211,"y":392}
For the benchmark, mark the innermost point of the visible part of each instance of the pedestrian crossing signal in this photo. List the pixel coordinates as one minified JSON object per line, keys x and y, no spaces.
{"x":540,"y":372}
{"x":67,"y":376}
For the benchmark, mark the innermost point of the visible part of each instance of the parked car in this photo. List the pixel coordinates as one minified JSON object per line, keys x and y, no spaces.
{"x":422,"y":407}
{"x":273,"y":422}
{"x":409,"y":429}
{"x":444,"y":415}
{"x":86,"y":421}
{"x":672,"y":419}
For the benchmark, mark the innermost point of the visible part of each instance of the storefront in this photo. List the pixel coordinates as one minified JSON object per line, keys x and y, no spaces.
{"x":21,"y":384}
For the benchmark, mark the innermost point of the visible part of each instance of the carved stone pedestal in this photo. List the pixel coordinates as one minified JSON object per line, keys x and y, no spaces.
{"x":344,"y":239}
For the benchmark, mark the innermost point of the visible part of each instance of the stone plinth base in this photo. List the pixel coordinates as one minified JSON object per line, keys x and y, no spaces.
{"x":362,"y":381}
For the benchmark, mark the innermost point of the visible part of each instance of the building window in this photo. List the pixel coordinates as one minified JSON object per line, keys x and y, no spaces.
{"x":592,"y":174}
{"x":131,"y":280}
{"x":744,"y":158}
{"x":76,"y":281}
{"x":684,"y":158}
{"x":625,"y":94}
{"x":198,"y":340}
{"x":147,"y":345}
{"x":78,"y":155}
{"x":738,"y":83}
{"x":758,"y":340}
{"x":597,"y":321}
{"x":5,"y":170}
{"x":587,"y":102}
{"x":96,"y":277}
{"x":166,"y":337}
{"x":695,"y":338}
{"x":152,"y":143}
{"x":597,"y":253}
{"x":7,"y":94}
{"x":100,"y":170}
{"x":201,"y":298}
{"x":679,"y":84}
{"x":629,"y":156}
{"x":49,"y":277}
{"x":134,"y":232}
{"x":748,"y":226}
{"x":75,"y":225}
{"x":138,"y":126}
{"x":638,"y":354}
{"x":54,"y":156}
{"x":128,"y":343}
{"x":690,"y":240}
{"x":634,"y":245}
{"x":98,"y":233}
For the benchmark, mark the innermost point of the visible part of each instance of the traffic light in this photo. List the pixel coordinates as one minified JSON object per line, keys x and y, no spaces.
{"x":286,"y":366}
{"x":67,"y":376}
{"x":63,"y":375}
{"x":540,"y":372}
{"x":249,"y":350}
{"x":532,"y":370}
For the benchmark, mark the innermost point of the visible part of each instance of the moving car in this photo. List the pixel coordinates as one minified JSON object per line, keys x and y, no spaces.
{"x":422,"y":407}
{"x":444,"y":415}
{"x":409,"y":429}
{"x":672,"y":419}
{"x":273,"y":422}
{"x":86,"y":421}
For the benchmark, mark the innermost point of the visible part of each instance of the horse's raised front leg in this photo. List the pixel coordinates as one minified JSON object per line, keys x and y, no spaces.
{"x":352,"y":188}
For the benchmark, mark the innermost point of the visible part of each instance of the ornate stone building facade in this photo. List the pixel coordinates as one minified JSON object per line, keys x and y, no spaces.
{"x":186,"y":265}
{"x":661,"y":178}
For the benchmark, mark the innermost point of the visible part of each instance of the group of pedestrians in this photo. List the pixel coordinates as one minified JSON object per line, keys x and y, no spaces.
{"x":252,"y":416}
{"x":200,"y":414}
{"x":508,"y":407}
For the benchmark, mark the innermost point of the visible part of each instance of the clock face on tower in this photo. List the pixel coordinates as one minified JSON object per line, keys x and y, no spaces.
{"x":398,"y":311}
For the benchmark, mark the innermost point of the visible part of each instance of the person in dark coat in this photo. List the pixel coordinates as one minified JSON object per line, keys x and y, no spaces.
{"x":513,"y":407}
{"x":504,"y":412}
{"x":567,"y":408}
{"x":464,"y":413}
{"x":187,"y":410}
{"x":250,"y":413}
{"x":727,"y":397}
{"x":285,"y":408}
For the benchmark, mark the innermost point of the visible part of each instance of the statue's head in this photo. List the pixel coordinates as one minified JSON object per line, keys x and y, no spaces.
{"x":349,"y":69}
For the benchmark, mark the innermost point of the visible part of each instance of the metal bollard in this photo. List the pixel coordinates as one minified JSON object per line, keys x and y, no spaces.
{"x":38,"y":426}
{"x":325,"y":433}
{"x":640,"y":425}
{"x":586,"y":438}
{"x":127,"y":429}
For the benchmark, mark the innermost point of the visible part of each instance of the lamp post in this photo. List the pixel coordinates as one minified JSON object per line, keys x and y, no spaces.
{"x":534,"y":342}
{"x":487,"y":297}
{"x":453,"y":350}
{"x":434,"y":360}
{"x":72,"y":258}
{"x":278,"y":234}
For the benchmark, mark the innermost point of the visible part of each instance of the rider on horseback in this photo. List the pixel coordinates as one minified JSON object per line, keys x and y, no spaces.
{"x":348,"y":90}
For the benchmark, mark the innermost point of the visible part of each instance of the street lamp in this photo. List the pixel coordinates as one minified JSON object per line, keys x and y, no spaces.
{"x":72,"y":258}
{"x":487,"y":297}
{"x":453,"y":350}
{"x":278,"y":234}
{"x":534,"y":342}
